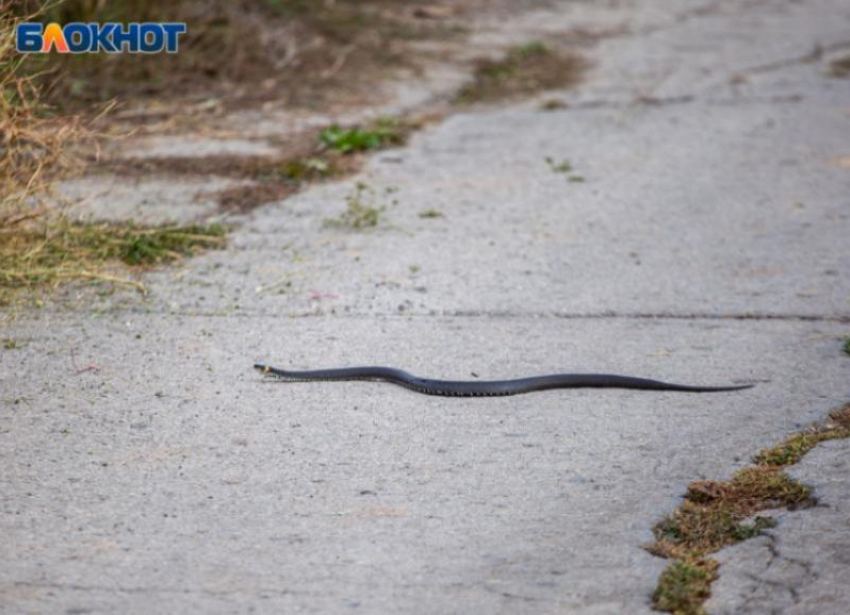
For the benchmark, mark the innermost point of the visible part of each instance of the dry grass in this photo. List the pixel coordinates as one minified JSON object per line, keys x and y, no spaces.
{"x":40,"y":246}
{"x":716,"y":514}
{"x":33,"y":145}
{"x":50,"y":253}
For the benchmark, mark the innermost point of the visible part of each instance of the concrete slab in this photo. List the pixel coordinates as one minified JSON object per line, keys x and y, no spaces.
{"x":155,"y":471}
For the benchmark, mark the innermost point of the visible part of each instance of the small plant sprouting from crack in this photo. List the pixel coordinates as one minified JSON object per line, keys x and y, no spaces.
{"x":716,"y":514}
{"x":846,"y":347}
{"x":558,"y":167}
{"x":564,"y":167}
{"x":381,"y":133}
{"x":363,"y":210}
{"x":430,"y":213}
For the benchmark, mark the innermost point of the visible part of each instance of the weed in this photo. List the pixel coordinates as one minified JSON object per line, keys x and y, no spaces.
{"x":10,"y":344}
{"x":383,"y":133}
{"x":431,"y":213}
{"x":558,"y":167}
{"x":576,"y":179}
{"x":846,"y":347}
{"x":524,"y":70}
{"x":362,"y":211}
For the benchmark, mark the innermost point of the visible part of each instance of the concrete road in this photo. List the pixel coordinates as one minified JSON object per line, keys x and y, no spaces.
{"x":148,"y":469}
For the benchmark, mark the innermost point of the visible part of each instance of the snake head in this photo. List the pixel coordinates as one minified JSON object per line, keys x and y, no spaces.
{"x":263,"y":369}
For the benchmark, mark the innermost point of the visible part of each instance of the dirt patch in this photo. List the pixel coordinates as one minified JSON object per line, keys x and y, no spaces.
{"x":525,"y":70}
{"x":840,"y":67}
{"x":306,"y":159}
{"x":716,"y":514}
{"x":238,"y":54}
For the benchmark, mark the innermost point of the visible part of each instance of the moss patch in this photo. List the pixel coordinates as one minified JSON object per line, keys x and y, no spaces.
{"x":715,"y":514}
{"x":684,"y":586}
{"x":524,"y":70}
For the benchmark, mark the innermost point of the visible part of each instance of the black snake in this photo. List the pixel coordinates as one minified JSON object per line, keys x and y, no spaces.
{"x":486,"y":388}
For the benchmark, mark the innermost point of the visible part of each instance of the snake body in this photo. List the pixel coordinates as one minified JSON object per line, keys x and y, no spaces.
{"x":486,"y":388}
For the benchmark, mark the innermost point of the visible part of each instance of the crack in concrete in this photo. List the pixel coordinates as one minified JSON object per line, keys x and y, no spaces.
{"x":147,"y":590}
{"x":808,"y":58}
{"x":496,"y":314}
{"x":683,"y":99}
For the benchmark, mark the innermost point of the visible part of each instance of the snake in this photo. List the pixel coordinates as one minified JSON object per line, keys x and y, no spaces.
{"x":487,"y":388}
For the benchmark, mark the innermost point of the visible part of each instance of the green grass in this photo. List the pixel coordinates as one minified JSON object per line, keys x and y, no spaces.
{"x":431,"y":213}
{"x":846,"y":347}
{"x":382,"y":133}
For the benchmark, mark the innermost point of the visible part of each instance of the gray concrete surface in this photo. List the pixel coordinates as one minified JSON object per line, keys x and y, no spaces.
{"x":146,"y":468}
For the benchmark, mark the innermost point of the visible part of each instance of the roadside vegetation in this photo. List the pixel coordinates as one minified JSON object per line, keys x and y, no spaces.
{"x":716,"y":514}
{"x":234,"y":56}
{"x":41,"y":244}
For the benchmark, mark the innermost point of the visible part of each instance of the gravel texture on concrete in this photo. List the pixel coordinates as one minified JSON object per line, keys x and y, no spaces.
{"x":148,"y":468}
